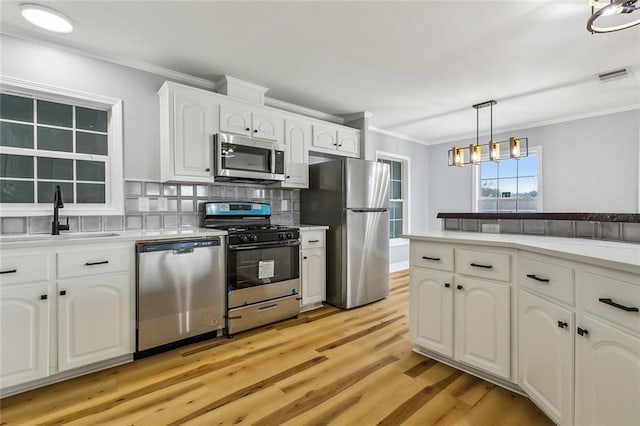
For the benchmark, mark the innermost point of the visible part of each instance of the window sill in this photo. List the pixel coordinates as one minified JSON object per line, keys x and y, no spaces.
{"x":397,"y":242}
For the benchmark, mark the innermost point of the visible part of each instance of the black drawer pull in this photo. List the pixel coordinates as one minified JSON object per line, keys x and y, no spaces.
{"x":459,"y":287}
{"x":43,"y":297}
{"x":63,"y":293}
{"x":619,"y":306}
{"x":314,"y":241}
{"x":447,"y":285}
{"x":562,"y":324}
{"x":9,"y":271}
{"x":479,"y":265}
{"x":582,"y":331}
{"x":430,"y":258}
{"x":104,"y":262}
{"x":535,"y":277}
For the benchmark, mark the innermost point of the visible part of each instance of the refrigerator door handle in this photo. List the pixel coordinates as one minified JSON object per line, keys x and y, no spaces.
{"x":369,"y":210}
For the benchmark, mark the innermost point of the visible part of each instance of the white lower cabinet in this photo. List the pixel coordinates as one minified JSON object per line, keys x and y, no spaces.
{"x":546,"y":355}
{"x":24,"y":334}
{"x":431,"y":306}
{"x":607,"y":374}
{"x":313,"y":276}
{"x":94,"y":319}
{"x":483,"y":325}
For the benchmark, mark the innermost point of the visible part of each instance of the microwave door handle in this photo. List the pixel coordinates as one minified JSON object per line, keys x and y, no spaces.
{"x":273,"y":162}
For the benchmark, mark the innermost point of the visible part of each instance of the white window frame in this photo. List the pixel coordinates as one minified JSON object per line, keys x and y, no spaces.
{"x":406,"y":188}
{"x":475,"y":182}
{"x":114,"y":179}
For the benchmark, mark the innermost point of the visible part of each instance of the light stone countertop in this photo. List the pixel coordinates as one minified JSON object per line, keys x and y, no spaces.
{"x":312,"y":227}
{"x":66,"y":239}
{"x":610,"y":254}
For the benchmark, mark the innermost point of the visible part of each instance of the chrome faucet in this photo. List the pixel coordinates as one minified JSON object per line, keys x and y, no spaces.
{"x":58,"y":204}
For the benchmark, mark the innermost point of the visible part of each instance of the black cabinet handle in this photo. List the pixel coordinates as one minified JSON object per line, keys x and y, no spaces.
{"x":610,"y":302}
{"x":447,"y":285}
{"x":288,"y":177}
{"x":207,"y":169}
{"x":43,"y":297}
{"x":255,"y":131}
{"x":104,"y":262}
{"x":339,"y":144}
{"x":459,"y":287}
{"x":582,"y":331}
{"x":535,"y":277}
{"x":63,"y":293}
{"x":430,"y":258}
{"x":479,"y":265}
{"x":9,"y":271}
{"x":314,"y":241}
{"x":247,"y":129}
{"x":562,"y":324}
{"x":304,"y":257}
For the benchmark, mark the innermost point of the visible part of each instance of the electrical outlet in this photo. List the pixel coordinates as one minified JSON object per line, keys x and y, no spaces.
{"x":143,"y":204}
{"x":162,"y":204}
{"x":491,"y":227}
{"x":285,"y":205}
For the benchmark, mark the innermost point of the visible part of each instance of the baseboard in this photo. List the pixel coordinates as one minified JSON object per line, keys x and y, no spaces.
{"x":398,"y":266}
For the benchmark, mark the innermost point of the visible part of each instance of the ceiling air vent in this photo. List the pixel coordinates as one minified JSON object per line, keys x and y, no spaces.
{"x":613,"y":75}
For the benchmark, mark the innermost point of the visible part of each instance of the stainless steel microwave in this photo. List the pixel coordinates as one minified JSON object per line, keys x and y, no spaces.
{"x":242,"y":159}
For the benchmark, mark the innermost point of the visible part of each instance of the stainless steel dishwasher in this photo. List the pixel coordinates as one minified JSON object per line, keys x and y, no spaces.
{"x":180,"y":292}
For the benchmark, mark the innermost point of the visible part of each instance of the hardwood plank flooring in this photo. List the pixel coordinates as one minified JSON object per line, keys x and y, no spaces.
{"x":327,"y":366}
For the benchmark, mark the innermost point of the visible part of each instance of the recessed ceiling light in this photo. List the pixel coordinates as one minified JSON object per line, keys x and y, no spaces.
{"x":46,"y":18}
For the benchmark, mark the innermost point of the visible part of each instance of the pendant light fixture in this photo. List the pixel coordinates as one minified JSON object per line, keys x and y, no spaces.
{"x":612,"y":15}
{"x":518,"y":147}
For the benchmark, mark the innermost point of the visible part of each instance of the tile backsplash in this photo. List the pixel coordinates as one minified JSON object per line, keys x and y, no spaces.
{"x":184,"y":204}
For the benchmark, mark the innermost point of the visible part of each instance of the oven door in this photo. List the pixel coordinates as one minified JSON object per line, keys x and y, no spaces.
{"x":260,"y":272}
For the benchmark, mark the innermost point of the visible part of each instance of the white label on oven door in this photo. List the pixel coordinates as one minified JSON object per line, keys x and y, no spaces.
{"x":266,"y":269}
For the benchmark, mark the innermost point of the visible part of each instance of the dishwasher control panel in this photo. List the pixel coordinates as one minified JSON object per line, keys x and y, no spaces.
{"x":176,"y":245}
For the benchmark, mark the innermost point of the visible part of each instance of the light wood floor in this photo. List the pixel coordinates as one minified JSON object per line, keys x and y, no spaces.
{"x":326,"y":367}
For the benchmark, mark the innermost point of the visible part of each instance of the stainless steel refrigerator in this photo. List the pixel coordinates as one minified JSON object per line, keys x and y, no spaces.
{"x":351,"y":196}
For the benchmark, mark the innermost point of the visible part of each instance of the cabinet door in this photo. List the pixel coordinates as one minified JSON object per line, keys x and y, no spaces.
{"x":431,"y":310}
{"x":545,"y":356}
{"x":349,"y":141}
{"x":266,"y":126}
{"x":297,"y":138}
{"x":324,"y":137}
{"x":195,"y":116}
{"x":607,"y":375}
{"x":482,"y":325}
{"x":313,"y":276}
{"x":94,"y":319}
{"x":235,"y":119}
{"x":24,"y":334}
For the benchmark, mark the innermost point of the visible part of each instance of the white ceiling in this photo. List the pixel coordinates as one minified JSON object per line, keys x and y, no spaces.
{"x":417,"y":66}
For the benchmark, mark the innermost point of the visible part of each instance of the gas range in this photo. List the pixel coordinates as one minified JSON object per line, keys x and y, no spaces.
{"x":262,"y":234}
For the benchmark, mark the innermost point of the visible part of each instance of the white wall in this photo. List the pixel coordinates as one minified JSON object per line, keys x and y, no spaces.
{"x":138,"y":90}
{"x":588,"y":165}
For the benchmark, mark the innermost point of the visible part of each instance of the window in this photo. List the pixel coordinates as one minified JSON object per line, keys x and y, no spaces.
{"x":398,"y":210}
{"x":49,"y":139}
{"x":510,"y":185}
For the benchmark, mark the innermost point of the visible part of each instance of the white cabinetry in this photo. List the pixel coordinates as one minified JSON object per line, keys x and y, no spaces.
{"x":431,"y":305}
{"x":336,"y":140}
{"x":242,"y":119}
{"x":188,"y":120}
{"x":456,"y":314}
{"x":297,"y":138}
{"x":71,"y":308}
{"x":313,"y":268}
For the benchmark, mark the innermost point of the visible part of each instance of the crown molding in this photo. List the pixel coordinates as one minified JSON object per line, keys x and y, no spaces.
{"x":535,"y":124}
{"x":398,"y":135}
{"x":357,"y":116}
{"x":297,"y":109}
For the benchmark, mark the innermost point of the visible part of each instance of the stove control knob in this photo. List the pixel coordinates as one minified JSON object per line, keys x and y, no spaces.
{"x":282,"y":236}
{"x":253,"y":238}
{"x":289,"y":235}
{"x":242,"y":238}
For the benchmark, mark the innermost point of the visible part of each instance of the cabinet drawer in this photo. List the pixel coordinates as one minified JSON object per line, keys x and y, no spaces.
{"x":96,"y":261}
{"x":312,"y":239}
{"x":26,"y":268}
{"x":492,"y":265}
{"x":547,"y":277}
{"x":432,"y":256}
{"x":608,"y":297}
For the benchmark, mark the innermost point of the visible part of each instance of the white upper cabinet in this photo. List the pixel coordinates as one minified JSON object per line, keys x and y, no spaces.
{"x":244,"y":120}
{"x":188,"y":120}
{"x":337,"y":140}
{"x":297,"y":138}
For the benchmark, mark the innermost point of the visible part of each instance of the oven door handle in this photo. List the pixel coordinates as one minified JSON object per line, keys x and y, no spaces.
{"x":235,"y":247}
